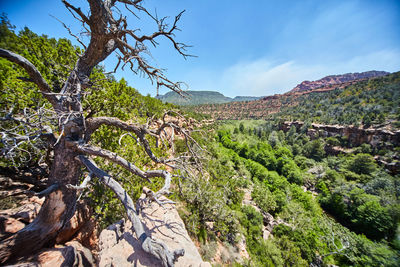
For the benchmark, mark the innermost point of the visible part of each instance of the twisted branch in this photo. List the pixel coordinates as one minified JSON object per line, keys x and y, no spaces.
{"x":151,"y":246}
{"x":34,"y":74}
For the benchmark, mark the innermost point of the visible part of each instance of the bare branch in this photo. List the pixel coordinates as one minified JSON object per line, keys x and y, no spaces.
{"x":71,"y":33}
{"x":22,"y":134}
{"x":48,"y":190}
{"x":114,"y":157}
{"x":141,"y":131}
{"x":138,"y":129}
{"x":77,"y":11}
{"x":33,"y":72}
{"x":83,"y":185}
{"x":92,"y":124}
{"x":130,"y":2}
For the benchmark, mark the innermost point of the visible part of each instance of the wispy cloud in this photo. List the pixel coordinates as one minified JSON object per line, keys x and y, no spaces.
{"x":263,"y":77}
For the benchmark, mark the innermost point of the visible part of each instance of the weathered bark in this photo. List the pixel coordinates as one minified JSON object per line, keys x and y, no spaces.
{"x":59,"y":205}
{"x":57,"y":209}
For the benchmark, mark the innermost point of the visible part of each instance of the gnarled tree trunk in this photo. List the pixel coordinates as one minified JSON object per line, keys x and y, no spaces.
{"x":56,"y":211}
{"x":107,"y":35}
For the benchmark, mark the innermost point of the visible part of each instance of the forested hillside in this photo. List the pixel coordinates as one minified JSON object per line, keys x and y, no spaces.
{"x":294,"y":202}
{"x":194,"y":98}
{"x":374,"y":102}
{"x":368,"y":102}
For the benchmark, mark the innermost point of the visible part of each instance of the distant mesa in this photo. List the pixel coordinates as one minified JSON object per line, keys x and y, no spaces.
{"x":245,"y":98}
{"x":202,"y":97}
{"x":337,"y":79}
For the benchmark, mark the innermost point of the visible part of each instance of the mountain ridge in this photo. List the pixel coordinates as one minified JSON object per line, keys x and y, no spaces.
{"x":336,"y":79}
{"x":202,"y":97}
{"x":357,"y":90}
{"x":324,"y":84}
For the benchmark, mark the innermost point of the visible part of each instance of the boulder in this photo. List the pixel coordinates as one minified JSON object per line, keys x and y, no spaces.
{"x":13,"y":220}
{"x":118,"y":244}
{"x":70,"y":254}
{"x":242,"y":247}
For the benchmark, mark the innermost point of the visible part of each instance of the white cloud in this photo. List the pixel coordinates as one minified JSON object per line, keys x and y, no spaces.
{"x":262,"y":77}
{"x":388,"y":60}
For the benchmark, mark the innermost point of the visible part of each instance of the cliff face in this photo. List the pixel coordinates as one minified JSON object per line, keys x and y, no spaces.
{"x":337,"y":79}
{"x":378,"y":138}
{"x":355,"y":135}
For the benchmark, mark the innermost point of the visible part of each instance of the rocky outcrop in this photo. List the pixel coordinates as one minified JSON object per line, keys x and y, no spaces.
{"x":13,"y":220}
{"x":269,"y":222}
{"x":337,"y":79}
{"x":79,"y":237}
{"x":119,"y":245}
{"x":76,"y":238}
{"x":70,"y":254}
{"x":356,"y":135}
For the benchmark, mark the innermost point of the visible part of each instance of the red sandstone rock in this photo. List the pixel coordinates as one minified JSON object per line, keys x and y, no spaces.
{"x":72,"y":254}
{"x":119,"y":245}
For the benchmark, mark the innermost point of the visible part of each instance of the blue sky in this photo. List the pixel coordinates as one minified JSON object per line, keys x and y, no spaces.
{"x":251,"y":47}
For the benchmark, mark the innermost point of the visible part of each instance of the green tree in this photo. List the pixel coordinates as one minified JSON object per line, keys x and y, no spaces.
{"x":314,"y":149}
{"x":241,"y":127}
{"x":263,"y":198}
{"x":362,"y":164}
{"x":273,"y":139}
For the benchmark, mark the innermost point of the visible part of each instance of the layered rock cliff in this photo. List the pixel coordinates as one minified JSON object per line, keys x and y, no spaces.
{"x":337,"y":79}
{"x":356,"y":135}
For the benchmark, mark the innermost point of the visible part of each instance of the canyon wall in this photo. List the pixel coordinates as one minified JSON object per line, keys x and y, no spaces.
{"x":356,"y":135}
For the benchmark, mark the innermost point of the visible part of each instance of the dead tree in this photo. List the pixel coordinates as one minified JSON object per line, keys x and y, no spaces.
{"x":109,"y":33}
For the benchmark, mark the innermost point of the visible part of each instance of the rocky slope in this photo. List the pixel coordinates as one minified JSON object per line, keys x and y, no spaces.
{"x":336,"y":79}
{"x":79,"y":244}
{"x":356,"y":135}
{"x":119,"y":245}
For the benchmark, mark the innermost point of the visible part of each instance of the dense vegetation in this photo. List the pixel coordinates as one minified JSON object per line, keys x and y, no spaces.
{"x":372,"y":102}
{"x":359,"y":194}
